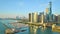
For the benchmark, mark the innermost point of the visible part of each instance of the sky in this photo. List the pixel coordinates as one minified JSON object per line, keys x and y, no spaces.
{"x":13,"y":8}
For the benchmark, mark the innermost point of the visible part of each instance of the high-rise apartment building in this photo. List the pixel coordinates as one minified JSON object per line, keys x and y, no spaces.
{"x":35,"y":17}
{"x":58,"y":18}
{"x":41,"y":17}
{"x":29,"y":17}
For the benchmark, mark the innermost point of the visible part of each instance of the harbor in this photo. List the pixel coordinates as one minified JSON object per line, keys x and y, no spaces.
{"x":53,"y":27}
{"x":29,"y":29}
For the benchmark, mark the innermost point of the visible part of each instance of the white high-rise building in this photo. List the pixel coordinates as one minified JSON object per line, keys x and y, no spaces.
{"x":35,"y":17}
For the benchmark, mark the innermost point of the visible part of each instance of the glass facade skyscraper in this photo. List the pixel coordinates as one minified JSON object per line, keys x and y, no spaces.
{"x":49,"y":16}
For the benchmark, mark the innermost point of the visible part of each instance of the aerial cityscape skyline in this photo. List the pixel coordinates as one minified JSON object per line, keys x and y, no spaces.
{"x":13,"y":8}
{"x":41,"y":17}
{"x":29,"y":17}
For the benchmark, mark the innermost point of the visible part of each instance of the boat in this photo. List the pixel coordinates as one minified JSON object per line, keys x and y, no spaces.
{"x":23,"y":30}
{"x":55,"y":28}
{"x":11,"y":31}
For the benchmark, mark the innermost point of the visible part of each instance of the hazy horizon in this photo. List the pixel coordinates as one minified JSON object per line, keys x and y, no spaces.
{"x":13,"y":8}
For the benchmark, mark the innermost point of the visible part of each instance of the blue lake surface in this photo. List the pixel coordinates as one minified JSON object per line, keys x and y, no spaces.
{"x":29,"y":30}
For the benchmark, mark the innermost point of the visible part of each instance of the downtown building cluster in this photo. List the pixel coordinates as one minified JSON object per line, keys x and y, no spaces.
{"x":46,"y":17}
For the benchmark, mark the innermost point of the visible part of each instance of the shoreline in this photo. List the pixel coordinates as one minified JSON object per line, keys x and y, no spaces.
{"x":18,"y":25}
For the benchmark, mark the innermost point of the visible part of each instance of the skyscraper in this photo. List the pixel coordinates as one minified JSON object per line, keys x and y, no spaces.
{"x":49,"y":13}
{"x":58,"y":18}
{"x":35,"y":17}
{"x":50,"y":7}
{"x":47,"y":10}
{"x":42,"y":17}
{"x":31,"y":17}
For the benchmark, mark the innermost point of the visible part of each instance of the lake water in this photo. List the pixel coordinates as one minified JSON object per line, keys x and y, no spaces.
{"x":29,"y":30}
